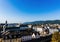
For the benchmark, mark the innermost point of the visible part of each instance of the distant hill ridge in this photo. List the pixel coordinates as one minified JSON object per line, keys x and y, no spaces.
{"x":44,"y":22}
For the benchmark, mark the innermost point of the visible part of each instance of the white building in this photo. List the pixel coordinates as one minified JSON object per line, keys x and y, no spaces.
{"x":38,"y":29}
{"x":29,"y":26}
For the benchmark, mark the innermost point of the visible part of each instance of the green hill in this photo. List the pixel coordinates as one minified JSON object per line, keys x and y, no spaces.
{"x":44,"y":22}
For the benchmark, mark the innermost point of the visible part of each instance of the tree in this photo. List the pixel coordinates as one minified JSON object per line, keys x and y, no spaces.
{"x":55,"y":37}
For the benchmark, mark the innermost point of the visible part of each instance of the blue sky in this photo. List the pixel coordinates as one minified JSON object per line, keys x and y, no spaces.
{"x":29,"y":10}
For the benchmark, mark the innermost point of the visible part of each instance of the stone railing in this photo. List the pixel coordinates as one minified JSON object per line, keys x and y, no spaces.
{"x":10,"y":40}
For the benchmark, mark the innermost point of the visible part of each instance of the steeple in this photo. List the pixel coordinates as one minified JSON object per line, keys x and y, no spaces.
{"x":6,"y":23}
{"x":5,"y":26}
